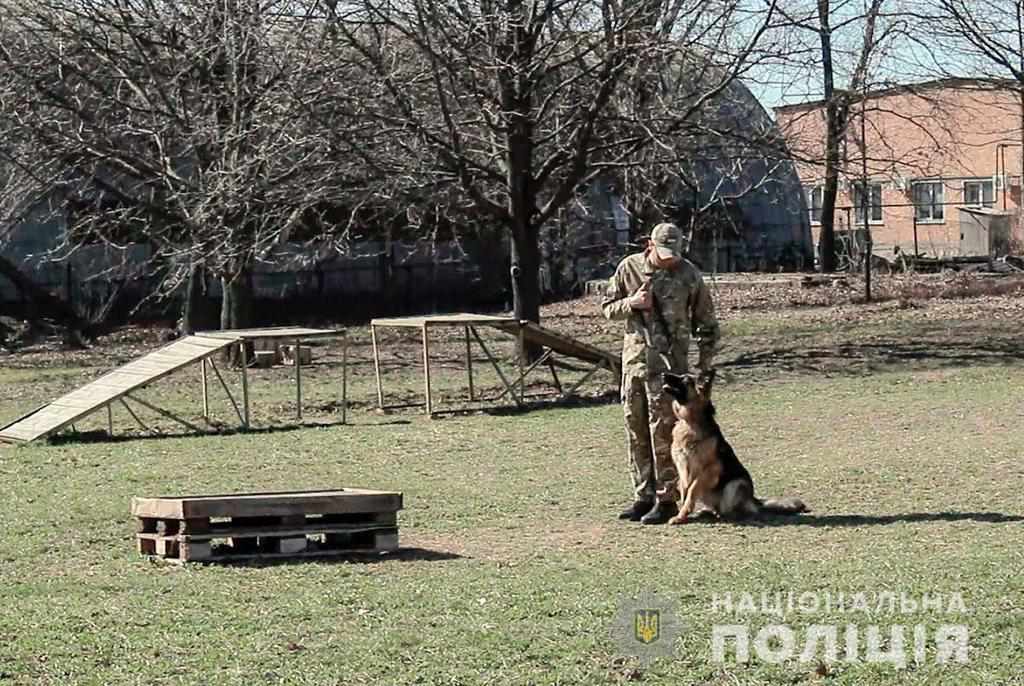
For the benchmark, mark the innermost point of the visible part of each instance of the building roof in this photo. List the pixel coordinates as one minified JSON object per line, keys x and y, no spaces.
{"x":953,"y":82}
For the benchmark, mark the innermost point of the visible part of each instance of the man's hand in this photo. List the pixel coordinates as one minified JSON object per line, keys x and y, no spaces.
{"x":642,"y":300}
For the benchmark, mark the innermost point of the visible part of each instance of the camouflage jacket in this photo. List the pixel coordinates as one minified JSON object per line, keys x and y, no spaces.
{"x":682,"y":307}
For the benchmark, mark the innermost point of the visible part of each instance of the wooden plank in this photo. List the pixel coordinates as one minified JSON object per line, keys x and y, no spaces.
{"x":150,"y":366}
{"x":55,"y":415}
{"x":268,"y":504}
{"x":469,"y":364}
{"x":459,"y":318}
{"x":426,"y":368}
{"x":143,"y":371}
{"x":246,"y":421}
{"x":384,"y":541}
{"x":288,"y":505}
{"x":376,"y":367}
{"x":17,"y":435}
{"x":194,"y":552}
{"x":206,"y":389}
{"x":298,"y":379}
{"x":75,"y":399}
{"x":23,"y":417}
{"x":104,"y":384}
{"x":208,"y":342}
{"x":344,"y":380}
{"x":288,"y":332}
{"x":256,"y":532}
{"x":390,"y":546}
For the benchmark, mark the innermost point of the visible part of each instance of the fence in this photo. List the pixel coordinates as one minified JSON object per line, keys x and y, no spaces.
{"x":401,"y":279}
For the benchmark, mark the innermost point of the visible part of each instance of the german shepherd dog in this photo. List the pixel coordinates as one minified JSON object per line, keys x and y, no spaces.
{"x":709,"y":471}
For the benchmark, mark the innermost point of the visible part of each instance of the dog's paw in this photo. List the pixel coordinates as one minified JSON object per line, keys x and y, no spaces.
{"x":678,"y":519}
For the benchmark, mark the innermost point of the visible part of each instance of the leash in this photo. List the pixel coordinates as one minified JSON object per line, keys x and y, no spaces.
{"x":648,"y":339}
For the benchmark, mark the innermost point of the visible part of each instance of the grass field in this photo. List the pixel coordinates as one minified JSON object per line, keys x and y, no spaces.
{"x":900,"y":427}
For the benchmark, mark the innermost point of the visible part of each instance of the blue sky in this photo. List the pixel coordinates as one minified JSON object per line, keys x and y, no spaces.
{"x":909,"y":56}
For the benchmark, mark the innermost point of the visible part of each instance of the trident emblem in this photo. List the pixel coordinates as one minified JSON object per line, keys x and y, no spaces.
{"x":646,"y":626}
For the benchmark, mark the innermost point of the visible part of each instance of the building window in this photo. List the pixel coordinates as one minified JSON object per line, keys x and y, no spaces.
{"x":815,"y":194}
{"x":981,"y":193}
{"x":928,"y":198}
{"x":874,"y":203}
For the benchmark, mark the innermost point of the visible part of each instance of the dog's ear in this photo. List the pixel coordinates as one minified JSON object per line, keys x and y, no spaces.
{"x":674,"y":386}
{"x":705,"y":381}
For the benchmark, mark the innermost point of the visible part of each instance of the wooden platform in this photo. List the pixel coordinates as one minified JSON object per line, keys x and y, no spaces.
{"x":257,"y":526}
{"x":551,"y":343}
{"x":454,"y":319}
{"x":284,"y":333}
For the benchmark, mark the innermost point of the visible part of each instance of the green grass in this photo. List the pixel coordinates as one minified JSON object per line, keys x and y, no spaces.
{"x":513,"y":565}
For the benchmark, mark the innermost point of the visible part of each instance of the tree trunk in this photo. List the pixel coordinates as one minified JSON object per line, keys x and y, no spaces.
{"x":833,"y":133}
{"x":526,"y":277}
{"x":827,"y":237}
{"x":196,"y":313}
{"x":236,"y":308}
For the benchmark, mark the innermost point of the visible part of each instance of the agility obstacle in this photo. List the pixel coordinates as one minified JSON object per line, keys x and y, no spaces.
{"x":119,"y":386}
{"x":267,"y":526}
{"x":550,"y":342}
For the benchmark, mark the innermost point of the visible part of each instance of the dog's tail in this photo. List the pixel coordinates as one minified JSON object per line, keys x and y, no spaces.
{"x":782,"y":506}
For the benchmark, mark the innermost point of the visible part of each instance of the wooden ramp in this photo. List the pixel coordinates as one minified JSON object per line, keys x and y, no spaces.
{"x":111,"y":387}
{"x":568,"y":346}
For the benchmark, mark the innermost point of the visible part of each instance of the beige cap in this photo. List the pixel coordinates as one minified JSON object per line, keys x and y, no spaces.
{"x":667,"y":240}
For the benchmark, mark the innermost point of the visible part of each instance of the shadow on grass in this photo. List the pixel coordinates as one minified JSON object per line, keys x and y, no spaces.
{"x":537,"y":404}
{"x":493,"y":407}
{"x":881,"y":520}
{"x":844,"y":357}
{"x":104,"y":437}
{"x":411,"y":554}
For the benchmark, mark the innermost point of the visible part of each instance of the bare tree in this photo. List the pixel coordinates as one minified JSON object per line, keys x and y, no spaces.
{"x":831,"y":23}
{"x":24,"y":182}
{"x":183,"y":125}
{"x":518,"y":104}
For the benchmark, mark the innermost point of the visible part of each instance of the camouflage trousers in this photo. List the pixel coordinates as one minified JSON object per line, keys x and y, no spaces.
{"x":649,"y":422}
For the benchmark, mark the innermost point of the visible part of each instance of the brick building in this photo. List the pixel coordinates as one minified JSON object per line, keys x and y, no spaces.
{"x":943,"y":157}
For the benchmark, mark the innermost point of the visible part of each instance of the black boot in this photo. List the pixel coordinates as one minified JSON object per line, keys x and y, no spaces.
{"x":637,"y":510}
{"x":662,"y":512}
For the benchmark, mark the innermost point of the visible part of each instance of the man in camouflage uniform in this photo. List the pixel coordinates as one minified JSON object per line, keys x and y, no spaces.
{"x":662,"y":298}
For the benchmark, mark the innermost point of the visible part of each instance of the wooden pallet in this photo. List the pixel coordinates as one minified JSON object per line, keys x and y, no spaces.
{"x":257,"y":526}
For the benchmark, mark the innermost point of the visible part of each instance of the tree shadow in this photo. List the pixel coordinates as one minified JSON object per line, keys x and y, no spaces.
{"x":537,"y":403}
{"x":101,"y":436}
{"x":851,"y":520}
{"x":843,"y":358}
{"x":410,"y":554}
